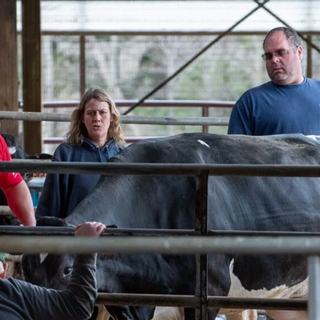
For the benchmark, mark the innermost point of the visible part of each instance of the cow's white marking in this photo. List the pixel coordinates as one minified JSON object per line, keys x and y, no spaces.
{"x":12,"y":150}
{"x":299,"y":291}
{"x":165,"y":313}
{"x":203,"y":143}
{"x":313,"y":137}
{"x":43,"y":256}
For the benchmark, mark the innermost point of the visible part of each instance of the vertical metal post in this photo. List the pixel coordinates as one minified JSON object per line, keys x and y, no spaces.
{"x":314,"y":287}
{"x":82,"y":64}
{"x":309,"y":57}
{"x":201,"y":226}
{"x":205,"y":113}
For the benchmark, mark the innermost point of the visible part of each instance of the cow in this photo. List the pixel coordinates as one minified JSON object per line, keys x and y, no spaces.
{"x":169,"y":202}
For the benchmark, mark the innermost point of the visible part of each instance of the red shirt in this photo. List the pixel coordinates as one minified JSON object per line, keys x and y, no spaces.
{"x":7,"y":179}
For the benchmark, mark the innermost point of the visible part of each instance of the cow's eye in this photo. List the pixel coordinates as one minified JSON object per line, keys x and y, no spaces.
{"x":67,"y":271}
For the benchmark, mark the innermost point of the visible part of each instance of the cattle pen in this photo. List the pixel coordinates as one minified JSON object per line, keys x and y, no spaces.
{"x":52,"y":50}
{"x":199,"y":241}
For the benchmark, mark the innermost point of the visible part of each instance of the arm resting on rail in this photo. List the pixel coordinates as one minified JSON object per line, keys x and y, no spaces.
{"x":20,"y":202}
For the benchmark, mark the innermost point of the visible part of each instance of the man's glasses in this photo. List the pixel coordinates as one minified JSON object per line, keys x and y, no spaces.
{"x":278,"y":53}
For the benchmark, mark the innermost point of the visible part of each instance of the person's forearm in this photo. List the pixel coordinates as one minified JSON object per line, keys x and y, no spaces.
{"x":83,"y":284}
{"x":79,"y":296}
{"x":20,"y":202}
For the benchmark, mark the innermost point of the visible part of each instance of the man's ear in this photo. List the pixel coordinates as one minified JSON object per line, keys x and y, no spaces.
{"x":300,"y":52}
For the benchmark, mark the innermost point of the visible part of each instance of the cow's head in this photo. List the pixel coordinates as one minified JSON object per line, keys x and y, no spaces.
{"x":48,"y":270}
{"x":54,"y":270}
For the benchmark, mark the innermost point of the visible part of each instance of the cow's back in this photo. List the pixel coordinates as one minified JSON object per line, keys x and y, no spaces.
{"x":257,"y":203}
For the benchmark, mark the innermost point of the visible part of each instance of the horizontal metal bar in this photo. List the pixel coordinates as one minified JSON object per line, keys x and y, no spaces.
{"x":63,"y":117}
{"x":121,"y":299}
{"x":139,"y":32}
{"x":177,"y":32}
{"x":25,"y":166}
{"x":257,"y":303}
{"x":69,"y":231}
{"x":118,"y":299}
{"x":165,"y":245}
{"x":128,"y":139}
{"x":147,"y":103}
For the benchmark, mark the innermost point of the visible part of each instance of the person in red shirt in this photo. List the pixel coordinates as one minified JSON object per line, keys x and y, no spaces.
{"x":16,"y":190}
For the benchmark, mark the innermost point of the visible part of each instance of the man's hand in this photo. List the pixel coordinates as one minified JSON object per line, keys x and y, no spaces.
{"x":89,"y":229}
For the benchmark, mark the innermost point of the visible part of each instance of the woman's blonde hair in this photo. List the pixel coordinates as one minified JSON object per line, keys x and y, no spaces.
{"x":77,"y":128}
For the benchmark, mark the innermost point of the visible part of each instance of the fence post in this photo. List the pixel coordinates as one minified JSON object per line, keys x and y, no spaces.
{"x":205,"y":113}
{"x":201,"y":226}
{"x":314,"y":287}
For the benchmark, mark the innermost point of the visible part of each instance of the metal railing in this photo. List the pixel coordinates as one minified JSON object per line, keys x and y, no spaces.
{"x":200,"y":244}
{"x":205,"y":121}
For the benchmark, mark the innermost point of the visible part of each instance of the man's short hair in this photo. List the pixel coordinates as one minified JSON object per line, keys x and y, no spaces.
{"x":291,"y":35}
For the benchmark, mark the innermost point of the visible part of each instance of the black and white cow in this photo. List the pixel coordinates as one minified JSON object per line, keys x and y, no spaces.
{"x":168,"y":202}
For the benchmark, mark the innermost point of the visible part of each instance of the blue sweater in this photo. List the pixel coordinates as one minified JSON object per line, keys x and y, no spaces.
{"x":271,"y":109}
{"x":63,"y":192}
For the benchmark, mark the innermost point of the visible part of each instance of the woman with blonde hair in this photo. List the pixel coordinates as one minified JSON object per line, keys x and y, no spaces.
{"x":95,"y":135}
{"x":78,"y":129}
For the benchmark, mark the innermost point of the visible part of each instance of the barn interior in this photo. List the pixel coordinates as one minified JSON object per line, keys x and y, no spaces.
{"x":171,"y":66}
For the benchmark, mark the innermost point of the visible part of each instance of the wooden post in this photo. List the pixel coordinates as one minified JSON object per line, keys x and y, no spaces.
{"x":31,"y":52}
{"x":8,"y":64}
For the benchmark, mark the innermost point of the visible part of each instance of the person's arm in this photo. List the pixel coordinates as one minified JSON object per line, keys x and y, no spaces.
{"x":78,"y":299}
{"x":74,"y":302}
{"x":20,"y":202}
{"x":16,"y":190}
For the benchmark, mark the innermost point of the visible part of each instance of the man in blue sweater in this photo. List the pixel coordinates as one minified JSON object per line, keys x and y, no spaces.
{"x":289,"y":103}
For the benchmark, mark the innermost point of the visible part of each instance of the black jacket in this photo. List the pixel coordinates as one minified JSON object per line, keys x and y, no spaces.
{"x":20,"y":300}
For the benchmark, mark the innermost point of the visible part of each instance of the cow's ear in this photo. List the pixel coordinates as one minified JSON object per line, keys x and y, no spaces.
{"x":28,"y":263}
{"x":113,"y":226}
